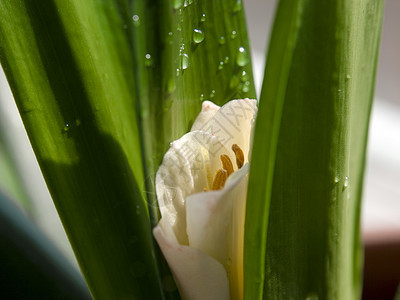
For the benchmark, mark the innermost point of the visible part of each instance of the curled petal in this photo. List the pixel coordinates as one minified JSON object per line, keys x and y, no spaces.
{"x":188,"y":167}
{"x":208,"y":110}
{"x":197,"y":275}
{"x":215,"y":225}
{"x":232,"y":123}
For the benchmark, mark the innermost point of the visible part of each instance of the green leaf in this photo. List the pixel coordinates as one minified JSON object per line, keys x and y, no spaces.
{"x":91,"y":70}
{"x":31,"y":267}
{"x":71,"y":72}
{"x":283,"y":41}
{"x":309,"y":247}
{"x":187,"y":52}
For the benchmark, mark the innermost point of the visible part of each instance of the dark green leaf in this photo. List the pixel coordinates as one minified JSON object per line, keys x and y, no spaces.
{"x":70,"y":68}
{"x":313,"y":245}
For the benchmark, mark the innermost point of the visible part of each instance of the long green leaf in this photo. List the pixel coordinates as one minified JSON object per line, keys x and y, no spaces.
{"x":71,"y":71}
{"x":76,"y":89}
{"x":187,"y":52}
{"x":312,"y":243}
{"x":283,"y":41}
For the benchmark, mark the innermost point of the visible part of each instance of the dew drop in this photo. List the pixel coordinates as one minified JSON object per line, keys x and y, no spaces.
{"x":348,"y":76}
{"x":136,"y":20}
{"x":137,"y":209}
{"x":226,"y":59}
{"x":221,"y":40}
{"x":170,"y":39}
{"x":66,"y":127}
{"x":238,"y":6}
{"x":336,"y":179}
{"x":244,"y":76}
{"x":177,"y":4}
{"x":346,"y":182}
{"x":242,"y":58}
{"x":220,"y":65}
{"x":203,"y":18}
{"x":184,"y":61}
{"x":148,"y":62}
{"x":246,"y":87}
{"x":179,"y":28}
{"x":77,"y":122}
{"x":171,"y":86}
{"x":234,"y":82}
{"x":198,"y":36}
{"x":212,"y":94}
{"x":233,"y":34}
{"x":178,"y":72}
{"x":187,"y":3}
{"x":202,"y":97}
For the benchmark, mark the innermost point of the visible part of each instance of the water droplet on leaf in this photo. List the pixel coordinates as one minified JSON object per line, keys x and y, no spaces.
{"x":148,"y":60}
{"x":187,"y":3}
{"x":171,"y":85}
{"x":198,"y":36}
{"x":212,"y":94}
{"x":177,"y":4}
{"x":136,"y":20}
{"x":234,"y":82}
{"x":238,"y":6}
{"x":242,"y":58}
{"x":184,"y":61}
{"x":246,"y":87}
{"x":244,"y":76}
{"x":233,"y":34}
{"x":66,"y":127}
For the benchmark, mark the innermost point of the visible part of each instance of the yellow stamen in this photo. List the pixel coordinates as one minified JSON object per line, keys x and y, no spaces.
{"x":239,"y":155}
{"x":227,"y":164}
{"x":219,"y":180}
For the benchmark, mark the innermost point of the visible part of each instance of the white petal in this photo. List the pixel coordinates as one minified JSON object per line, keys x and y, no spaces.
{"x":215,"y":225}
{"x":188,"y":167}
{"x":208,"y":110}
{"x":197,"y":275}
{"x":232,"y":123}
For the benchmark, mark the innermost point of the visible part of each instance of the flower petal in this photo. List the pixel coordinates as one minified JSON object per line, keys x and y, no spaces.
{"x":232,"y":123}
{"x":208,"y":110}
{"x":197,"y":275}
{"x":188,"y":167}
{"x":215,"y":225}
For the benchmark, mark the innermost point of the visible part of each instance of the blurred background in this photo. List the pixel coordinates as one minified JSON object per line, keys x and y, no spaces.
{"x":381,"y":206}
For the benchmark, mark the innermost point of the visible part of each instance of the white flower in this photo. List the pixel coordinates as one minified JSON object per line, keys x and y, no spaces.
{"x":201,"y":190}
